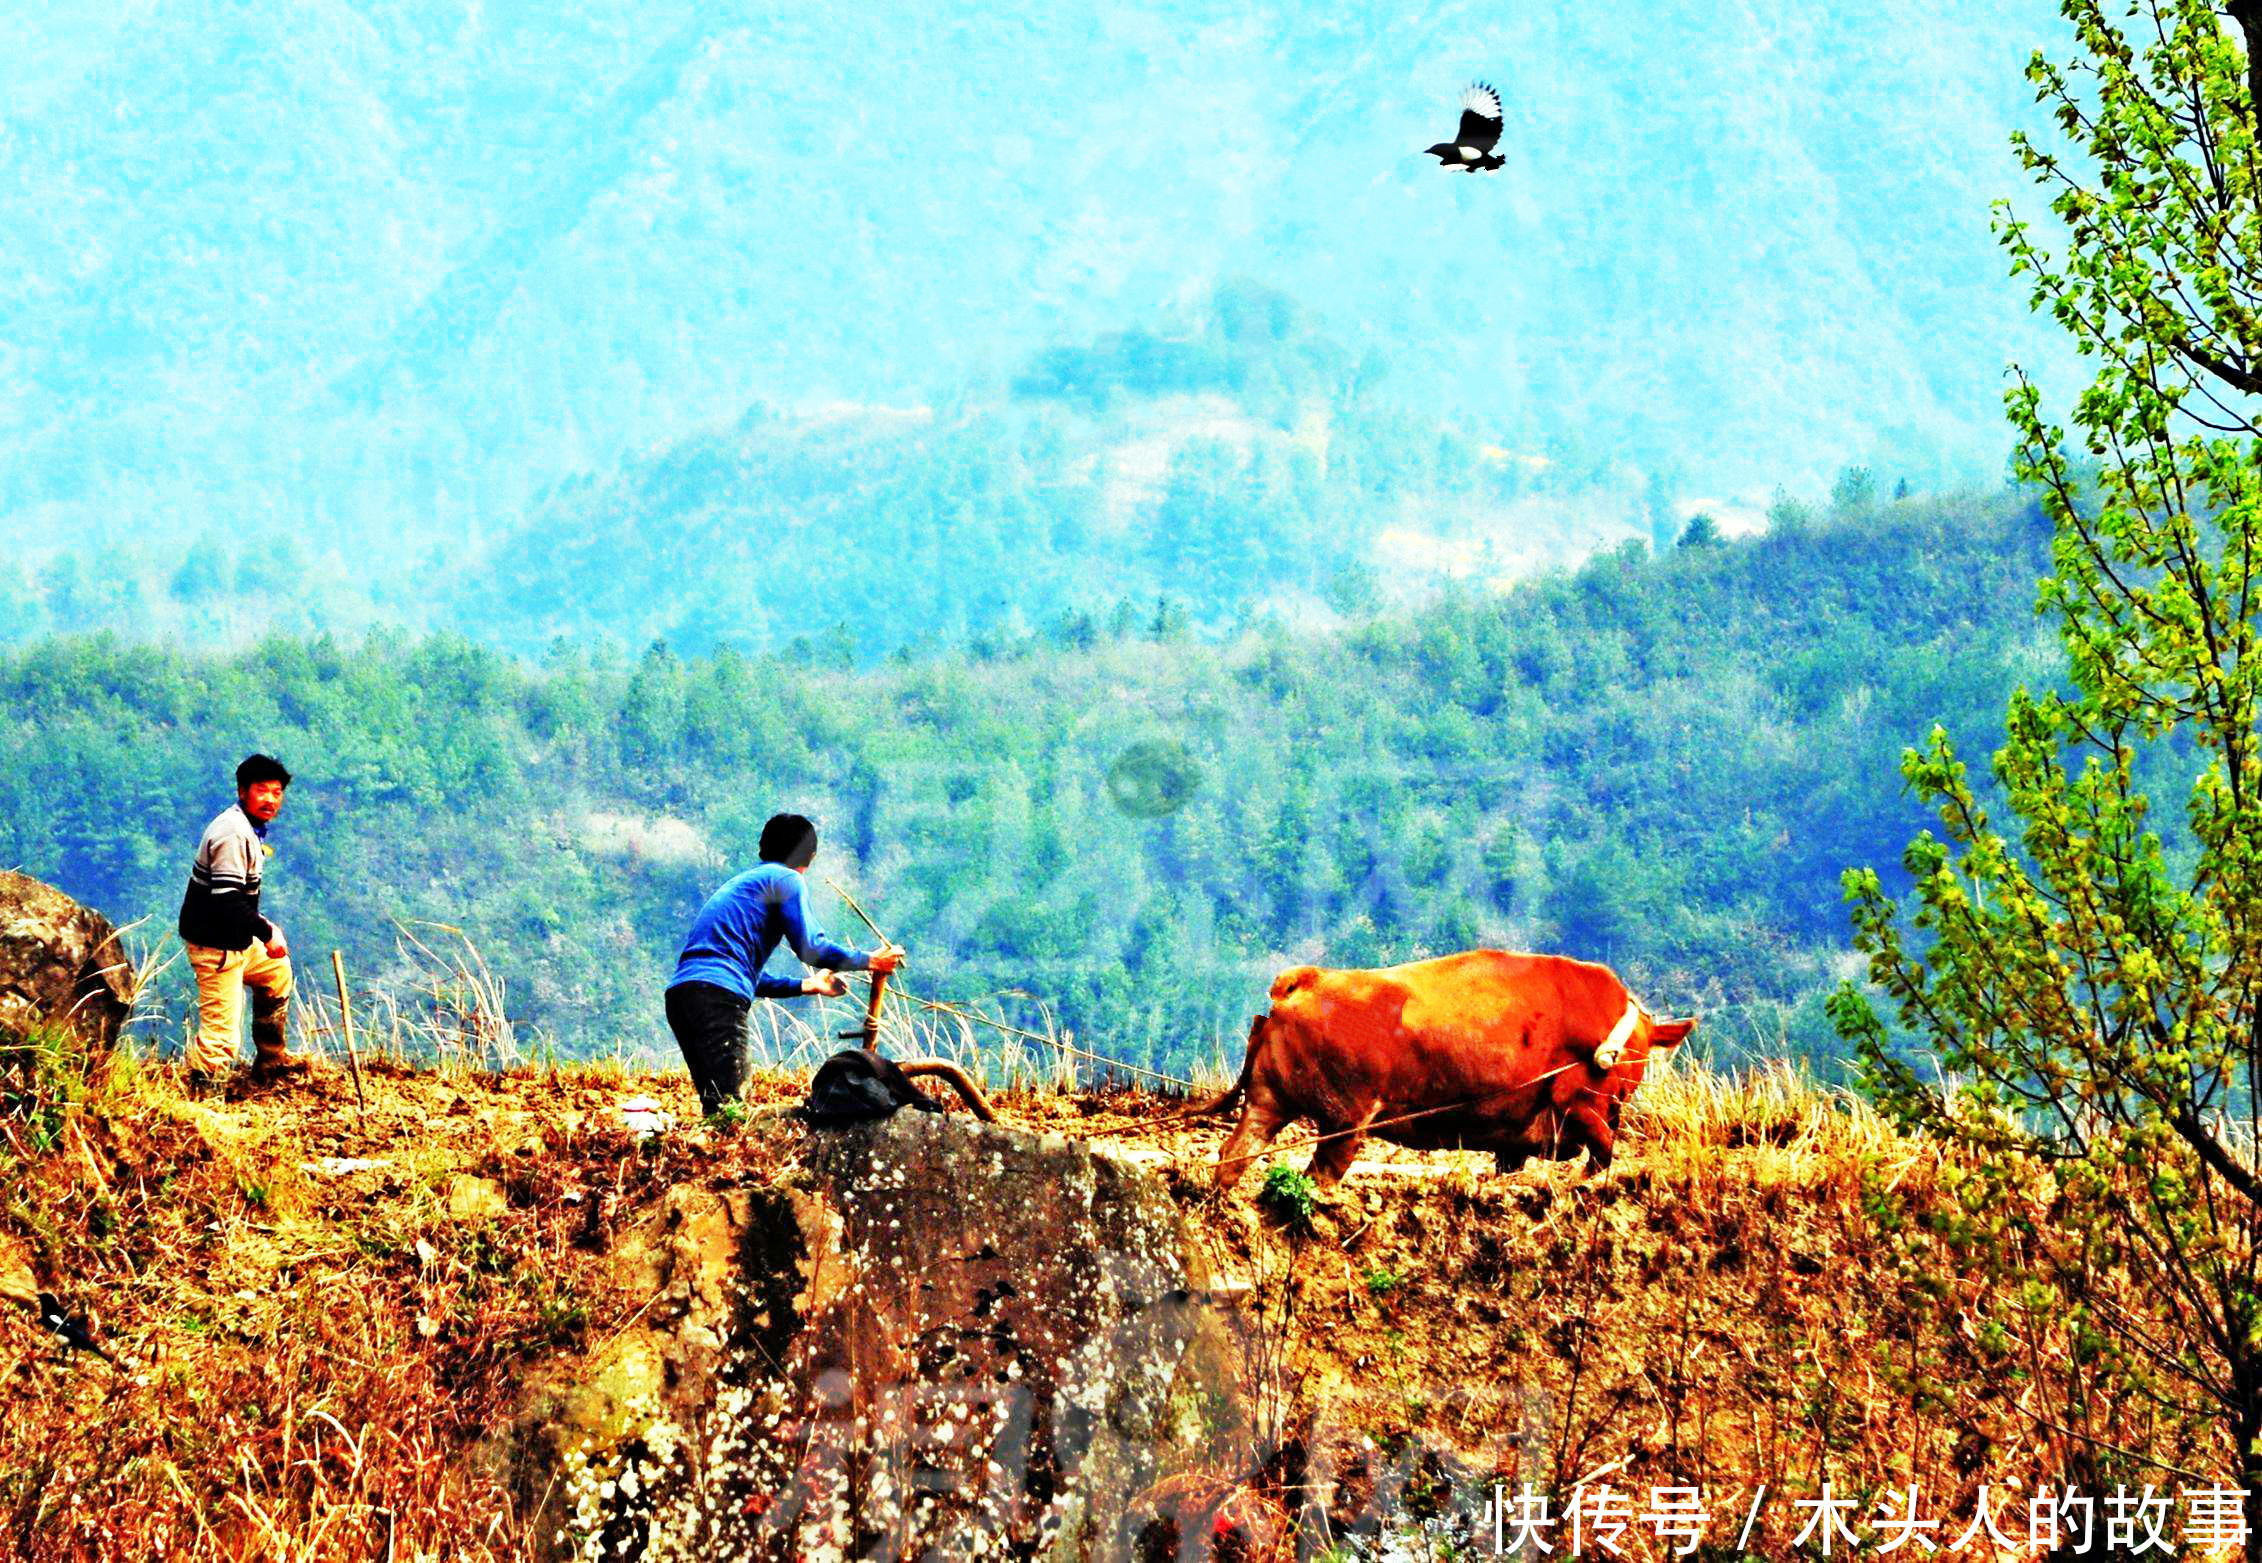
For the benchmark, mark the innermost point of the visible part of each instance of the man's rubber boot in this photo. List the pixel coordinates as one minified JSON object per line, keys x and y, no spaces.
{"x":273,"y":1062}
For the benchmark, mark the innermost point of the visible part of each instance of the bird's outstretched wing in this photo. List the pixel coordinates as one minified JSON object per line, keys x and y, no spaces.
{"x":1480,"y":118}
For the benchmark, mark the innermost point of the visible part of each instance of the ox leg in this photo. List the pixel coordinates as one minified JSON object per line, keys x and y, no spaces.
{"x":1334,"y":1155}
{"x":1591,"y":1129}
{"x":1260,"y":1121}
{"x":1510,"y":1158}
{"x":1550,"y":1137}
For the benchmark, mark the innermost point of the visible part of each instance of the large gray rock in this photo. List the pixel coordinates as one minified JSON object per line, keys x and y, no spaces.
{"x":935,"y":1338}
{"x":59,"y":962}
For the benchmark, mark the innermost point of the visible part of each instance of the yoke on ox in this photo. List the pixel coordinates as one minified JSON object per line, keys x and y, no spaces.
{"x":1521,"y":1055}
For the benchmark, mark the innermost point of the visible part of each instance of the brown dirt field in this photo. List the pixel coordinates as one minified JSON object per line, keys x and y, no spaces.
{"x":313,"y":1352}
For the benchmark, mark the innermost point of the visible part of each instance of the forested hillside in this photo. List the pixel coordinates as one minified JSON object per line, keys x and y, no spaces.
{"x":318,"y":315}
{"x":1659,"y":761}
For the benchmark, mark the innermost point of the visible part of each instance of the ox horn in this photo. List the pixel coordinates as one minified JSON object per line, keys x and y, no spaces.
{"x":1614,"y":1045}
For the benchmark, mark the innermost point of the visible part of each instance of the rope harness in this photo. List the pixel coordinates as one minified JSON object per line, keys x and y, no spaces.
{"x":1370,"y":1125}
{"x":980,"y":1019}
{"x":1614,"y":1045}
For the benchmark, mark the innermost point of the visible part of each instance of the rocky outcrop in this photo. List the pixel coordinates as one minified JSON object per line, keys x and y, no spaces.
{"x":934,"y":1337}
{"x":59,"y":962}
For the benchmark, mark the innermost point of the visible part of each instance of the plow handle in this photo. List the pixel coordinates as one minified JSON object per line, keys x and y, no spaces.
{"x":870,"y":1030}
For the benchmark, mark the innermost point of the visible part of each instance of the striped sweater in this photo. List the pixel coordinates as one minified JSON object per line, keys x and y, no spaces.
{"x":221,"y":909}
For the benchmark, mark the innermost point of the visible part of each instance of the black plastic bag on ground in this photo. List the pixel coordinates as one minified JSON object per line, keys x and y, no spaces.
{"x":856,"y":1085}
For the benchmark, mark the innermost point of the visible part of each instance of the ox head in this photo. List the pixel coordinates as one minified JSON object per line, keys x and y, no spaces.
{"x":1639,"y":1033}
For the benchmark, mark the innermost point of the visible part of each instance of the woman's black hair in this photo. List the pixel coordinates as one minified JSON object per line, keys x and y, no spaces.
{"x":789,"y":839}
{"x":259,"y":768}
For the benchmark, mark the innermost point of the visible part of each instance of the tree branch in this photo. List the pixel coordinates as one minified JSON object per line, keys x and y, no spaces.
{"x":2210,"y":1150}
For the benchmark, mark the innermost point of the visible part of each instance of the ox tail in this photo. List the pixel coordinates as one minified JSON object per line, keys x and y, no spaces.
{"x":1234,"y":1092}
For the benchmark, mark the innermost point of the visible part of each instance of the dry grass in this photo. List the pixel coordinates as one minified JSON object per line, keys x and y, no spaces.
{"x":308,"y":1360}
{"x":312,"y":1362}
{"x":1719,"y":1310}
{"x":447,"y":1012}
{"x":1791,"y":1126}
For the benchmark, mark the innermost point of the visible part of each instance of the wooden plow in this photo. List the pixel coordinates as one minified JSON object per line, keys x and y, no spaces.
{"x":916,"y":1068}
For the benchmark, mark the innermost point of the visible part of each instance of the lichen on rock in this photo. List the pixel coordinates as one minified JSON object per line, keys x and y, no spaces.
{"x":932,"y":1337}
{"x":60,"y":962}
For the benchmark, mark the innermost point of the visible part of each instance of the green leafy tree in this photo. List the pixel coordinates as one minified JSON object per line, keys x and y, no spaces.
{"x":2089,"y":982}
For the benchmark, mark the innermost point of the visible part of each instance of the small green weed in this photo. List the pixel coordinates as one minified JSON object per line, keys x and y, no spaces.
{"x":565,"y":1318}
{"x":1290,"y":1193}
{"x":45,"y":1071}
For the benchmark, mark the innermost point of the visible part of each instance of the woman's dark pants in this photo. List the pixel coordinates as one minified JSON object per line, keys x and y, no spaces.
{"x":710,"y":1026}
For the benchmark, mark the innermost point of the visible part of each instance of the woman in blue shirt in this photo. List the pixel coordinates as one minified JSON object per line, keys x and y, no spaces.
{"x":719,"y":974}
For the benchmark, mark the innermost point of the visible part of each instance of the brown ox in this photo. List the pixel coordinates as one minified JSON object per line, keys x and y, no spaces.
{"x":1520,"y":1055}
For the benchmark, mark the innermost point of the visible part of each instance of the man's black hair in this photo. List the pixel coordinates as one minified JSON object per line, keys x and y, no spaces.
{"x":259,"y":768}
{"x":789,"y":839}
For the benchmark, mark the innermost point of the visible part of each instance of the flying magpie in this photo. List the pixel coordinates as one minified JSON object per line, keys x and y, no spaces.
{"x":1471,"y":150}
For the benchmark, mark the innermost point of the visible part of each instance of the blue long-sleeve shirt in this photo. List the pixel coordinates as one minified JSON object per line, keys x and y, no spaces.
{"x":743,"y":922}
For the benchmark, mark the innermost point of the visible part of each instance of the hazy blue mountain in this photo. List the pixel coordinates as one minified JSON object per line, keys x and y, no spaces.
{"x":1228,"y":461}
{"x":386,"y":280}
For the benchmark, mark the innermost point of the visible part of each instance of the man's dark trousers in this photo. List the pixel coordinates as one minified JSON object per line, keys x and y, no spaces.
{"x":710,"y":1026}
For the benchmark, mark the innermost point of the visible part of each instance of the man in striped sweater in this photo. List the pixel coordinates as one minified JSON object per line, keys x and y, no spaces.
{"x":231,"y":947}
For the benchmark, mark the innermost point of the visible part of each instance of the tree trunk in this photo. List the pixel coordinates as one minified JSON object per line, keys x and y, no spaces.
{"x":2246,"y":1428}
{"x":2248,"y":15}
{"x":2250,"y":1476}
